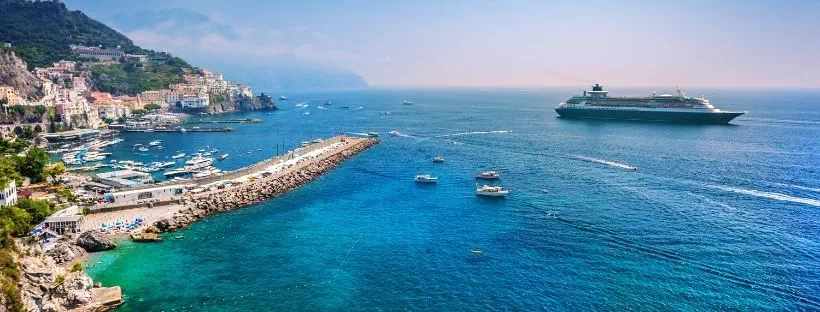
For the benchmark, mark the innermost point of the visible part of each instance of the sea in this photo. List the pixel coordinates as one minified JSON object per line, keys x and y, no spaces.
{"x":717,"y":217}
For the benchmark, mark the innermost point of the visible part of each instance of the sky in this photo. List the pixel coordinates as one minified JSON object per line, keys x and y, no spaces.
{"x":426,"y":43}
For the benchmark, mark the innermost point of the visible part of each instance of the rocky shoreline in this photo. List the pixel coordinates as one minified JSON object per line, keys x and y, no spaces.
{"x":53,"y":280}
{"x":202,"y":205}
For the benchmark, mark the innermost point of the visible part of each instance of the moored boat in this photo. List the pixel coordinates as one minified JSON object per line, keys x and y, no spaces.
{"x":488,"y":175}
{"x":492,"y":191}
{"x":425,"y":178}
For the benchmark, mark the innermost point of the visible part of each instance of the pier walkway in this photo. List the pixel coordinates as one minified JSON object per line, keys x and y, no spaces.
{"x":277,"y":167}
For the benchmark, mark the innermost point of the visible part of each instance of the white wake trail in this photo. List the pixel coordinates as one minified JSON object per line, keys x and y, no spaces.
{"x":769,"y":195}
{"x":604,"y":162}
{"x":473,"y":132}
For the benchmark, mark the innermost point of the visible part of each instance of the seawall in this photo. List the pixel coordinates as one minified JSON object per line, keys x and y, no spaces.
{"x":198,"y":206}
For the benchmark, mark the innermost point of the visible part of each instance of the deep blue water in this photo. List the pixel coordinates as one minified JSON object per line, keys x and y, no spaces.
{"x":716,"y":218}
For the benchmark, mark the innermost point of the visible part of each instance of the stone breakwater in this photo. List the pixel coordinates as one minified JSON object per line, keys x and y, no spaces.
{"x":202,"y":205}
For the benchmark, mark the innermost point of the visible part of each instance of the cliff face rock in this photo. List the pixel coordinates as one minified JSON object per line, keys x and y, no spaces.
{"x":93,"y":241}
{"x":65,"y":253}
{"x":46,"y":286}
{"x":241,"y":104}
{"x":13,"y":72}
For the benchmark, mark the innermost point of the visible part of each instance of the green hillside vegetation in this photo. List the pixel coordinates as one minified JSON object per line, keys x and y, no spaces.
{"x":41,"y":32}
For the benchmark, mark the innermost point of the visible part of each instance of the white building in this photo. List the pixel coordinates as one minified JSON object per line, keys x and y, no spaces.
{"x":8,"y":196}
{"x":152,"y":194}
{"x":63,"y":224}
{"x":112,"y":111}
{"x":194,"y":101}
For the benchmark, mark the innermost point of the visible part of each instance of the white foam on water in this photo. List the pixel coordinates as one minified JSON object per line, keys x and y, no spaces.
{"x":358,"y":108}
{"x":474,"y":132}
{"x":800,"y":187}
{"x":604,"y":162}
{"x":769,"y":195}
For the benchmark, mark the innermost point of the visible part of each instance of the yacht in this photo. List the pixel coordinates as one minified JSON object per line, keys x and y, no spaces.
{"x":198,"y":163}
{"x":176,"y":172}
{"x":155,"y":143}
{"x":178,"y":156}
{"x":488,"y":175}
{"x":493,"y":191}
{"x":143,"y":149}
{"x":373,"y":134}
{"x":223,"y":156}
{"x":317,"y":140}
{"x":438,"y":159}
{"x":283,"y":98}
{"x":167,"y":164}
{"x":394,"y":133}
{"x":425,"y":178}
{"x":407,"y":103}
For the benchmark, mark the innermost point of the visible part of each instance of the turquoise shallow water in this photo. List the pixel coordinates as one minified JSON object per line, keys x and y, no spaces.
{"x":717,"y":217}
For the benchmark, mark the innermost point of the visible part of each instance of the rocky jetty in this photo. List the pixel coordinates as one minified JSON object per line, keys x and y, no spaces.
{"x":93,"y":241}
{"x":202,"y":205}
{"x":45,"y":285}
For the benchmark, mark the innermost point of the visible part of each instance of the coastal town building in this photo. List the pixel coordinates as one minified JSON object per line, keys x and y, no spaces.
{"x":137,"y":57}
{"x":112,"y":111}
{"x":100,"y":54}
{"x":194,"y":101}
{"x":79,"y":85}
{"x":154,"y":194}
{"x":132,"y":102}
{"x":8,"y":196}
{"x":63,"y":224}
{"x":10,"y":95}
{"x":158,"y":97}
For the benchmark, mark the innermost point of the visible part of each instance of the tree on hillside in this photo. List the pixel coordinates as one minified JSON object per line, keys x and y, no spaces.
{"x":37,"y":209}
{"x":55,"y":170}
{"x":32,"y":165}
{"x":152,"y":106}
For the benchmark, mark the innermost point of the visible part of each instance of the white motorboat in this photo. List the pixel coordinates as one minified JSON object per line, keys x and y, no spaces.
{"x":438,"y":159}
{"x":155,"y":143}
{"x":394,"y":133}
{"x":198,"y":163}
{"x":176,"y":172}
{"x":178,"y":156}
{"x":373,"y":134}
{"x":492,"y":191}
{"x":143,"y":149}
{"x":488,"y":175}
{"x":407,"y":103}
{"x":223,"y":156}
{"x":283,"y":98}
{"x":167,"y":164}
{"x":425,"y":178}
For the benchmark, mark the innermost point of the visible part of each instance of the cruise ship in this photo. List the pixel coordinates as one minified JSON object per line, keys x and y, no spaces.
{"x":679,"y":108}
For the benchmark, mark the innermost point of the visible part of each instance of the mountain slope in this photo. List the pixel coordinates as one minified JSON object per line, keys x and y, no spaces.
{"x":41,"y":32}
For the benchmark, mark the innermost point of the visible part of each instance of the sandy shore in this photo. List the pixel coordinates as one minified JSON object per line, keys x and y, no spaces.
{"x":149,"y":215}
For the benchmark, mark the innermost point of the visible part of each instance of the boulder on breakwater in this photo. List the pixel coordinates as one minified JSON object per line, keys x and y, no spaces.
{"x":201,"y":205}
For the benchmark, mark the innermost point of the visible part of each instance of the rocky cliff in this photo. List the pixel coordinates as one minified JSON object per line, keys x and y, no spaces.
{"x":48,"y":283}
{"x":221,"y":105}
{"x":13,"y":73}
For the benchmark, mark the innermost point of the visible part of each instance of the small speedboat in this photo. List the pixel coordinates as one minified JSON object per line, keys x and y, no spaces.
{"x":327,"y":103}
{"x":155,"y":143}
{"x":450,"y":141}
{"x":425,"y":178}
{"x":373,"y":134}
{"x":223,"y":156}
{"x":488,"y":175}
{"x":438,"y":159}
{"x":545,"y":190}
{"x":394,"y":133}
{"x":492,"y":191}
{"x":283,"y":98}
{"x":407,"y":103}
{"x":178,"y":156}
{"x":143,"y":149}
